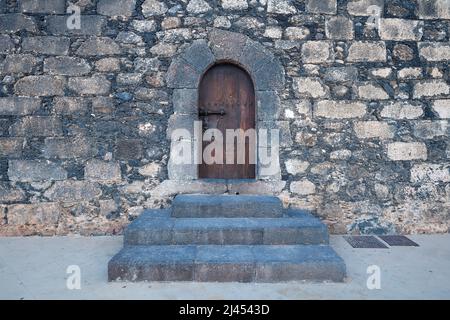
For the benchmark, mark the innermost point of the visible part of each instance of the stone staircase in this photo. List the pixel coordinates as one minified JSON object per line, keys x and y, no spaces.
{"x":226,"y":238}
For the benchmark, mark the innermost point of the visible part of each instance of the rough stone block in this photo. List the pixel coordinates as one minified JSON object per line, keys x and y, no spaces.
{"x":428,"y":129}
{"x":18,"y":106}
{"x":46,"y":45}
{"x":18,"y":63}
{"x":70,"y":105}
{"x":270,"y":76}
{"x":73,"y":191}
{"x":267,"y":105}
{"x":128,"y":149}
{"x":226,"y":206}
{"x":364,"y":7}
{"x":46,"y":213}
{"x":317,"y":52}
{"x":303,"y":187}
{"x":198,"y":6}
{"x":373,"y":129}
{"x":431,"y":88}
{"x":310,"y":87}
{"x":151,"y":169}
{"x":371,"y":91}
{"x":409,"y":73}
{"x":321,"y":6}
{"x":113,"y":8}
{"x":401,"y":29}
{"x":42,"y":86}
{"x":281,"y":7}
{"x":339,"y":109}
{"x":219,"y":43}
{"x":6,"y":45}
{"x":185,"y":101}
{"x":11,"y":147}
{"x":361,"y":51}
{"x":95,"y":85}
{"x":402,"y":110}
{"x":99,"y":47}
{"x":33,"y":170}
{"x":91,"y":25}
{"x":406,"y":151}
{"x":339,"y":28}
{"x":256,"y":187}
{"x":152,"y":8}
{"x":295,"y":166}
{"x":9,"y":194}
{"x":428,"y":172}
{"x":198,"y":55}
{"x":442,"y":108}
{"x":39,"y":6}
{"x":235,"y":4}
{"x":295,"y":33}
{"x":434,"y":51}
{"x":67,"y":66}
{"x":98,"y":170}
{"x":182,"y":75}
{"x":341,"y":74}
{"x":15,"y":22}
{"x":69,"y":148}
{"x":433,"y":9}
{"x":37,"y":126}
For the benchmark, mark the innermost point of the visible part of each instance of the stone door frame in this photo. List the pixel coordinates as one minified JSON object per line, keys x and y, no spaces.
{"x":187,"y":69}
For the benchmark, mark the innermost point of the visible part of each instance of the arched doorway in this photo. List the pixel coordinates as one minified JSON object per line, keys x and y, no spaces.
{"x":227,"y":103}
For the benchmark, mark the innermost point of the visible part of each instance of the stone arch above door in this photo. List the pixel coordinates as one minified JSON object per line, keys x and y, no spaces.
{"x":186,"y":71}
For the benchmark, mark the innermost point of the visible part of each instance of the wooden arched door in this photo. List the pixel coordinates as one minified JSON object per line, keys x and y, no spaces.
{"x":227,"y":101}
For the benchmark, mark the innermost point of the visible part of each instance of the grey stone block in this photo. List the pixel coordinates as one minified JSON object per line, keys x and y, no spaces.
{"x":37,"y":126}
{"x":322,"y":6}
{"x":6,"y":45}
{"x":226,"y":206}
{"x":15,"y":22}
{"x":46,"y":45}
{"x":77,"y":147}
{"x":268,"y":105}
{"x":185,"y":101}
{"x":226,"y":231}
{"x":153,"y":263}
{"x":226,"y":263}
{"x":18,"y":63}
{"x":41,"y":86}
{"x":73,"y":191}
{"x":255,"y":187}
{"x":33,"y":170}
{"x":199,"y":55}
{"x":182,"y":75}
{"x":91,"y":25}
{"x":102,"y":46}
{"x":67,"y":66}
{"x":124,"y":8}
{"x":270,"y":76}
{"x":173,"y":187}
{"x":39,"y":6}
{"x":18,"y":106}
{"x":227,"y":45}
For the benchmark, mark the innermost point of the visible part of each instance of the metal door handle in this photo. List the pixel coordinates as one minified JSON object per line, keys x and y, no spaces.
{"x":205,"y":113}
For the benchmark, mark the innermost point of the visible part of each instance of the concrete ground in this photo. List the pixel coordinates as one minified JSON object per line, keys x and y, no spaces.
{"x":35,"y":268}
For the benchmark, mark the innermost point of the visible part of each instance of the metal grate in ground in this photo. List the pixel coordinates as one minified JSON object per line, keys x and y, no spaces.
{"x":396,"y":240}
{"x":365,"y":242}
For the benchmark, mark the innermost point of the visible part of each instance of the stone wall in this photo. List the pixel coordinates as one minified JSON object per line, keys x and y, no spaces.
{"x":364,"y":110}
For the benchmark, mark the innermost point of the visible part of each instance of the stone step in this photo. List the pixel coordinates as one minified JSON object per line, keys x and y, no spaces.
{"x":153,"y":228}
{"x":227,"y":263}
{"x":226,"y":206}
